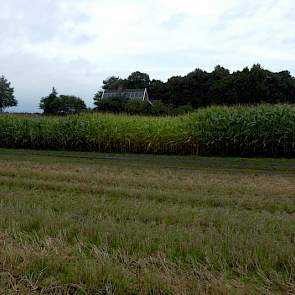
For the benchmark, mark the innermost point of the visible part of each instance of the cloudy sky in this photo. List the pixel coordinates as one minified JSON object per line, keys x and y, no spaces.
{"x":74,"y":44}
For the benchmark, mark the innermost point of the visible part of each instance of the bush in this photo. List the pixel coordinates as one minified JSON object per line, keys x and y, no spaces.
{"x":135,"y":107}
{"x":185,"y":109}
{"x":160,"y":109}
{"x":114,"y":105}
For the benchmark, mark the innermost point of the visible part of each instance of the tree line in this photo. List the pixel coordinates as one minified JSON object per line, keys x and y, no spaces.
{"x":220,"y":87}
{"x":179,"y":94}
{"x":53,"y":104}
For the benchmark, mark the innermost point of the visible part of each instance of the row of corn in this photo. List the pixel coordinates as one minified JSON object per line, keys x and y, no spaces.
{"x":263,"y":130}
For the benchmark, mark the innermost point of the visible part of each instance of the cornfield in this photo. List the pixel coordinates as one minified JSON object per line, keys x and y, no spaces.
{"x":228,"y":131}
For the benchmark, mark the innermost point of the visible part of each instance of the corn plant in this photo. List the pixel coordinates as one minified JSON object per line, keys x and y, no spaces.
{"x":245,"y":131}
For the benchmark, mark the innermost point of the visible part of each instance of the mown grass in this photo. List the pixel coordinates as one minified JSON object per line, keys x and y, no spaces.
{"x":78,"y":223}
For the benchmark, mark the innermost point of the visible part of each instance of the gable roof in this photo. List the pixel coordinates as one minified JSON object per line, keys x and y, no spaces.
{"x":132,"y":94}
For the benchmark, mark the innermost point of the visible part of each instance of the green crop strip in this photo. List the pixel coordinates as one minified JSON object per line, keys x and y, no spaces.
{"x":248,"y":131}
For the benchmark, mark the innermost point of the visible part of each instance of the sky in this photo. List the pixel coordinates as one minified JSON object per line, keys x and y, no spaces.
{"x":75,"y":45}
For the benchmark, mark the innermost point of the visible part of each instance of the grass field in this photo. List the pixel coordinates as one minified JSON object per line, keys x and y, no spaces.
{"x":82,"y":223}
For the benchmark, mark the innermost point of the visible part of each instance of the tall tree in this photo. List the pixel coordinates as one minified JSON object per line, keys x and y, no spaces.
{"x":138,"y":80}
{"x":220,"y":87}
{"x":114,"y":83}
{"x":158,"y":90}
{"x":61,"y":105}
{"x":69,"y":104}
{"x":47,"y":103}
{"x":97,"y":97}
{"x":6,"y":94}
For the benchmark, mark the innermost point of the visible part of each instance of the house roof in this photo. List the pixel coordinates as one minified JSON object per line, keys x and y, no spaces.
{"x":133,"y":94}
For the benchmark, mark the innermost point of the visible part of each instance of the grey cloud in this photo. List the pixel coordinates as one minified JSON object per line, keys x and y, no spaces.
{"x":38,"y":21}
{"x":81,"y":39}
{"x":30,"y":28}
{"x":33,"y":77}
{"x":174,"y":21}
{"x":257,"y":24}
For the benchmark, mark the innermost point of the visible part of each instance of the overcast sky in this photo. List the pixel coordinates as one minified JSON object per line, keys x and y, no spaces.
{"x":74,"y":44}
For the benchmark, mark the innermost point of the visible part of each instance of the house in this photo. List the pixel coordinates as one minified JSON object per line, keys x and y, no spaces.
{"x":130,"y":94}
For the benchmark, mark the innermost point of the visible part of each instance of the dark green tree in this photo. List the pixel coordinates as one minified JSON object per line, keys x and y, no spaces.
{"x":160,"y":109}
{"x":158,"y":90}
{"x":137,"y":107}
{"x":220,"y":87}
{"x":114,"y":83}
{"x":6,"y":94}
{"x":47,"y":104}
{"x":69,"y":104}
{"x":114,"y":105}
{"x":97,"y":97}
{"x":138,"y":80}
{"x":185,"y":109}
{"x":220,"y":73}
{"x":61,"y":105}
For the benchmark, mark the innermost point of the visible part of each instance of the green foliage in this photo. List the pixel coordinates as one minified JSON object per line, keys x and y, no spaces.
{"x":220,"y":87}
{"x":248,"y":131}
{"x":249,"y":86}
{"x":114,"y":83}
{"x":114,"y":105}
{"x":158,"y":90}
{"x":185,"y":109}
{"x":264,"y":130}
{"x":47,"y":103}
{"x":6,"y":94}
{"x":97,"y":96}
{"x":61,"y":105}
{"x":136,"y":107}
{"x":138,"y":80}
{"x":160,"y":109}
{"x":68,"y":104}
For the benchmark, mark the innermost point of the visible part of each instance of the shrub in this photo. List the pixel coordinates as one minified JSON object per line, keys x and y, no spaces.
{"x":135,"y":107}
{"x":185,"y":109}
{"x":114,"y":105}
{"x":160,"y":109}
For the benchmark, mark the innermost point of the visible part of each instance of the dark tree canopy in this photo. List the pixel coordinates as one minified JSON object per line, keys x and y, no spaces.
{"x":114,"y":105}
{"x":158,"y":90}
{"x":6,"y":94}
{"x":47,"y":103}
{"x":69,"y":104}
{"x":220,"y":87}
{"x":139,"y":107}
{"x":98,"y":96}
{"x":114,"y":83}
{"x":138,"y":80}
{"x":62,"y":105}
